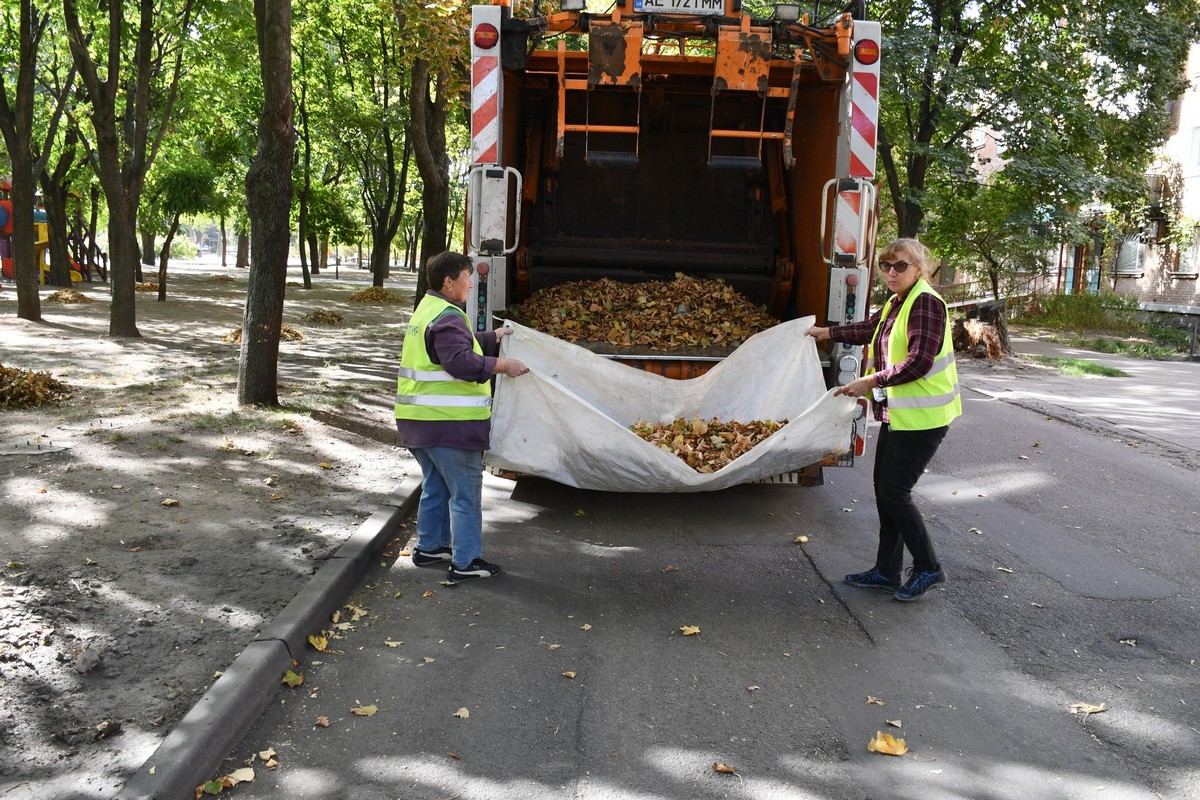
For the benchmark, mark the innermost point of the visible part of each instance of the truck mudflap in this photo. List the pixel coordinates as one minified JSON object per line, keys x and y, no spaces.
{"x":569,"y":419}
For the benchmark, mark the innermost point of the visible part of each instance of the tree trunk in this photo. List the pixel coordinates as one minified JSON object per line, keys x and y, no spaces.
{"x":224,"y":243}
{"x":428,"y":134}
{"x":124,"y":266}
{"x":55,"y":201}
{"x":164,"y":257}
{"x":26,"y":270}
{"x":314,"y":249}
{"x":269,"y":195}
{"x":242,"y":261}
{"x":305,"y":275}
{"x":148,"y":247}
{"x":16,"y":123}
{"x":984,"y":331}
{"x":97,"y":261}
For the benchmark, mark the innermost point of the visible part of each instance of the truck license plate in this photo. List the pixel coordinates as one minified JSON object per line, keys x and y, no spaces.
{"x":709,"y":7}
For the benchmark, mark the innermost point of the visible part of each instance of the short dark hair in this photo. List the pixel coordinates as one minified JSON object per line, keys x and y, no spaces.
{"x":445,"y":265}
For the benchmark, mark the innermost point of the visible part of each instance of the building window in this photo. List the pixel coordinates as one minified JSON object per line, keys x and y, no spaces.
{"x":1189,"y":260}
{"x":1130,"y":257}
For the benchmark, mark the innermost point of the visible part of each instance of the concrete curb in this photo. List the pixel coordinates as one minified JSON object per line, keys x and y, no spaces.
{"x":192,"y":751}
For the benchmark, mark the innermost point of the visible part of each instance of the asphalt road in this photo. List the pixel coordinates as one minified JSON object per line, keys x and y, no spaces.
{"x":1072,"y":558}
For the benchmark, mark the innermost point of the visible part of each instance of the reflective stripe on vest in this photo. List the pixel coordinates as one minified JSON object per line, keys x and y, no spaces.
{"x":425,"y":391}
{"x":932,"y":400}
{"x":422,"y":375}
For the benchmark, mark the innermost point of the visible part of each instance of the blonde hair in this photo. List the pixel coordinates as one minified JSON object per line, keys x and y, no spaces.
{"x":916,"y":253}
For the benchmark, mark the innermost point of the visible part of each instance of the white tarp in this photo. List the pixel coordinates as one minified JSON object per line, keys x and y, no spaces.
{"x":568,"y":419}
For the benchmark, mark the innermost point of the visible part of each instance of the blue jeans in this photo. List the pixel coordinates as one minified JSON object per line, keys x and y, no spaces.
{"x":451,"y":509}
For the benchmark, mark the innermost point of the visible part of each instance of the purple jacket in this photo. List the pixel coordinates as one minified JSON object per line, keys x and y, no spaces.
{"x":450,"y":343}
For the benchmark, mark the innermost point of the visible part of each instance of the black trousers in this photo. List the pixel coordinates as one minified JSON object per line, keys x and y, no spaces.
{"x":900,"y":458}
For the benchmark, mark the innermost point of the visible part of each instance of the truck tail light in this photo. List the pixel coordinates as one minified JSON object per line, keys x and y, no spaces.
{"x":486,"y":36}
{"x":866,"y":51}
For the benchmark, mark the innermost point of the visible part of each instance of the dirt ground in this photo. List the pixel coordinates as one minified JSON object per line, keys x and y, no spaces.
{"x":149,"y":526}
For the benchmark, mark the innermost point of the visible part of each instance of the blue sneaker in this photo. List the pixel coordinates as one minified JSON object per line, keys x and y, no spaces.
{"x":874,"y":579}
{"x":919,"y":583}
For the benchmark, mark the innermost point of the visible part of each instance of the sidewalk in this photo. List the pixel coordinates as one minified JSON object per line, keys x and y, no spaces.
{"x":1157,"y":405}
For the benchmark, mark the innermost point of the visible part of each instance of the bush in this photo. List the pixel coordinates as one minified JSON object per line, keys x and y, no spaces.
{"x":1106,"y":323}
{"x":182,"y":247}
{"x":1104,"y":311}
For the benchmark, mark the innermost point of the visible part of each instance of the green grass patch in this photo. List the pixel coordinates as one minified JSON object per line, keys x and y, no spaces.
{"x":1105,"y":322}
{"x":1080,"y":366}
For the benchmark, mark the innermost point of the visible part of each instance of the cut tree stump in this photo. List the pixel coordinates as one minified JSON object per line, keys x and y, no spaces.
{"x":984,"y":331}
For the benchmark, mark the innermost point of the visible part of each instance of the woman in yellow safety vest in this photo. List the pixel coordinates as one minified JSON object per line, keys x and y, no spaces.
{"x":443,"y":416}
{"x":914,"y":384}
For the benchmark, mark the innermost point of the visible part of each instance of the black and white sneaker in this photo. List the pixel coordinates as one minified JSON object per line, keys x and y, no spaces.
{"x":437,"y":557}
{"x":476,"y":569}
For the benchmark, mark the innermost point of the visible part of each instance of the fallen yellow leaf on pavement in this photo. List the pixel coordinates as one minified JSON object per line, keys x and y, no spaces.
{"x":242,"y":775}
{"x":689,"y":630}
{"x":887,"y":744}
{"x":462,"y":713}
{"x":365,"y":711}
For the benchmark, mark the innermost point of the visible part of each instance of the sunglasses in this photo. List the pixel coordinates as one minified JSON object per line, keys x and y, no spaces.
{"x":897,"y":267}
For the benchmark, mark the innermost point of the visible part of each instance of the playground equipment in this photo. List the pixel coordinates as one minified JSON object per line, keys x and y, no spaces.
{"x":80,"y":239}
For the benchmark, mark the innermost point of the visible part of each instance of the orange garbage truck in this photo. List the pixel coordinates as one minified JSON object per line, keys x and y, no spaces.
{"x":676,"y":136}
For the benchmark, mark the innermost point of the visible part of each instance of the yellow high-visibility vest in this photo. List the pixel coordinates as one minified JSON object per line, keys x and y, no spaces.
{"x":425,"y":391}
{"x":932,"y":400}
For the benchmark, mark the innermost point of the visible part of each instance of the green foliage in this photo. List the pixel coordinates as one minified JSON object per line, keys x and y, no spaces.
{"x":332,"y":214}
{"x":1107,"y":323}
{"x":1076,"y":94}
{"x":995,"y":233}
{"x":182,"y":247}
{"x":1105,"y":311}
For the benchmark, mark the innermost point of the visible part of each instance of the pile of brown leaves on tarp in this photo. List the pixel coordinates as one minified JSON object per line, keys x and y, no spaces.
{"x":21,"y":388}
{"x":706,"y":446}
{"x":687,"y":312}
{"x":68,"y":297}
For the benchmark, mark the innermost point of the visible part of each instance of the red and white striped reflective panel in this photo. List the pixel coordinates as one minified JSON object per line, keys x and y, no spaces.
{"x":864,"y":101}
{"x":864,"y":111}
{"x":485,"y":109}
{"x":849,"y":221}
